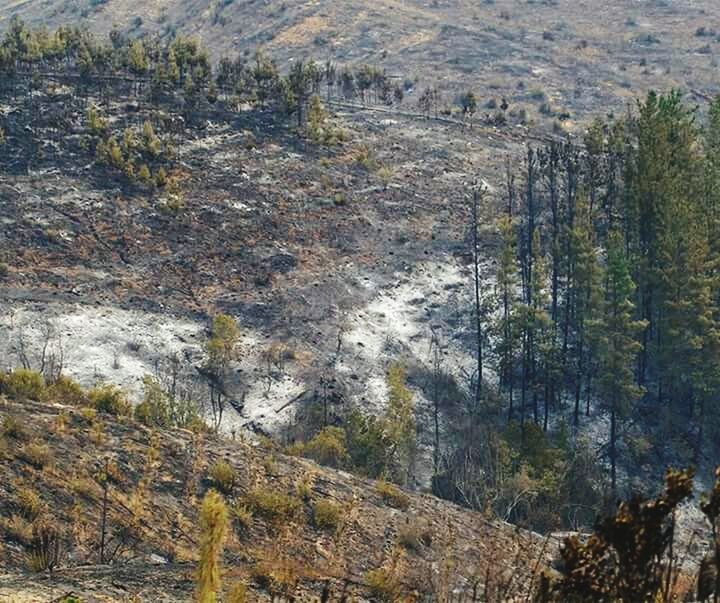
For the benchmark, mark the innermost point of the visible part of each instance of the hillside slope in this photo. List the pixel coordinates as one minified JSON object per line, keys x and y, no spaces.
{"x":52,"y":455}
{"x":584,"y":58}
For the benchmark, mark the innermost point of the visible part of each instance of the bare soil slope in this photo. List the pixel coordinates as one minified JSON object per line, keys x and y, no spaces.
{"x":157,"y":480}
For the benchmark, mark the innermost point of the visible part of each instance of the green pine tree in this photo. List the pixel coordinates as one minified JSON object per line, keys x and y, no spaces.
{"x":618,"y":345}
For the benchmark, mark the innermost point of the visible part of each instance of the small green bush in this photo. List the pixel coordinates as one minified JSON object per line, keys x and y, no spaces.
{"x":223,"y":477}
{"x":110,"y":399}
{"x":65,"y":391}
{"x":154,"y":410}
{"x":22,"y":384}
{"x":304,"y":486}
{"x":88,"y":414}
{"x":327,"y":447}
{"x":13,"y":428}
{"x":273,"y":506}
{"x":326,"y":515}
{"x":367,"y":443}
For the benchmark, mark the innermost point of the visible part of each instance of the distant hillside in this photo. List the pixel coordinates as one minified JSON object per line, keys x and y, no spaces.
{"x":566,"y":60}
{"x":297,"y":528}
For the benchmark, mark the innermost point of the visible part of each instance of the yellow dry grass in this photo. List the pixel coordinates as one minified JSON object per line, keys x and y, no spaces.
{"x":301,"y":33}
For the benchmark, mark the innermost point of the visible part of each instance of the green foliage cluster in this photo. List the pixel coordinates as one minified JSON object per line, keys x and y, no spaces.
{"x":327,"y":447}
{"x":326,"y":515}
{"x":65,"y":390}
{"x":110,"y":399}
{"x":392,"y":495}
{"x":160,"y":408}
{"x":213,"y":528}
{"x":319,"y":129}
{"x":272,"y":505}
{"x":372,"y":446}
{"x":137,"y":153}
{"x":22,"y":384}
{"x":223,"y":477}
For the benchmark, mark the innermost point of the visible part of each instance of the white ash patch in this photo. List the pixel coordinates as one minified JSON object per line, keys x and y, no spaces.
{"x":99,"y":344}
{"x":119,"y":347}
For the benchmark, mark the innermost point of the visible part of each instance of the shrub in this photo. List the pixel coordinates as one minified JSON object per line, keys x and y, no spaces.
{"x":326,"y":515}
{"x":22,"y":384}
{"x":144,"y":175}
{"x":36,"y":454}
{"x":382,"y":584}
{"x":85,"y":488}
{"x":61,"y":422}
{"x":64,"y":390}
{"x":304,"y":485}
{"x":273,"y":506}
{"x":44,"y":547}
{"x":161,"y":178}
{"x":88,"y":414}
{"x":243,"y":515}
{"x":368,"y":445}
{"x":364,"y":157}
{"x":110,"y":399}
{"x":13,"y":428}
{"x":97,"y":433}
{"x":29,"y":503}
{"x":327,"y":447}
{"x":223,"y":477}
{"x":154,"y":410}
{"x":392,"y":495}
{"x":411,"y":536}
{"x":386,"y":175}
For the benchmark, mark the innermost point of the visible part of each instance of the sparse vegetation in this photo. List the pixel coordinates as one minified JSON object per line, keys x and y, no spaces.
{"x":22,"y":384}
{"x":29,"y":503}
{"x":223,"y":477}
{"x":273,"y":506}
{"x":110,"y":399}
{"x":13,"y":428}
{"x":392,"y":495}
{"x":326,"y":515}
{"x":36,"y":454}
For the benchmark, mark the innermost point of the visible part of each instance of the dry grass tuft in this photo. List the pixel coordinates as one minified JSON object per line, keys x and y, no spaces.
{"x":392,"y":495}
